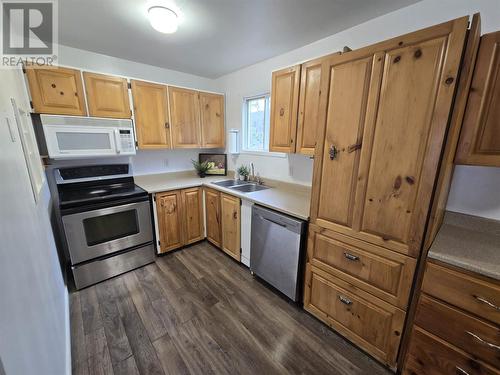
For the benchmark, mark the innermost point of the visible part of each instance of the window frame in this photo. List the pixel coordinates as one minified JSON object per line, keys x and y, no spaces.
{"x":267,"y":128}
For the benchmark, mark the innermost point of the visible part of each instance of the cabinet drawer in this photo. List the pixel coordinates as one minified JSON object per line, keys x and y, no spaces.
{"x":430,"y":355}
{"x":476,"y":337}
{"x":381,"y":272}
{"x":366,"y":320}
{"x":470,"y":293}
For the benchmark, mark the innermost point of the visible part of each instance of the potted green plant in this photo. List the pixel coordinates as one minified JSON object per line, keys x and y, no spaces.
{"x":201,"y":167}
{"x":243,"y":172}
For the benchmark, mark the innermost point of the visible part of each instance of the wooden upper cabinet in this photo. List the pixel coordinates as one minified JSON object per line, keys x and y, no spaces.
{"x":480,"y":137}
{"x":107,"y":96}
{"x":386,"y":116}
{"x":151,"y":115}
{"x":185,"y":117}
{"x":309,"y":105}
{"x":192,"y":202}
{"x":212,"y":120}
{"x":170,"y":219}
{"x":57,"y":91}
{"x":284,"y":103}
{"x":231,"y":223}
{"x":213,"y":216}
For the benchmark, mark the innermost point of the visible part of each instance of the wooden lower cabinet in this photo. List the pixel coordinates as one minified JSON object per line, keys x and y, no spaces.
{"x":192,"y":201}
{"x":223,"y":218}
{"x":366,"y":320}
{"x":180,"y":218}
{"x":475,"y":336}
{"x":231,"y":225}
{"x":471,"y":293}
{"x":381,"y":272}
{"x":213,"y":216}
{"x":456,"y":328}
{"x":169,"y":215}
{"x":430,"y":355}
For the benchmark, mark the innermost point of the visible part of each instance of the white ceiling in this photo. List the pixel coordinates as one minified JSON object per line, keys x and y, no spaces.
{"x":216,"y":37}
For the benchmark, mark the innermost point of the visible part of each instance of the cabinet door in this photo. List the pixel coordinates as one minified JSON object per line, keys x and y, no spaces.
{"x":213,"y":216}
{"x":376,"y":183}
{"x":212,"y":120}
{"x":169,"y":212}
{"x":352,"y":93}
{"x":480,"y":138}
{"x":284,"y":103}
{"x":56,"y":91}
{"x":309,"y":105}
{"x":230,"y":208}
{"x":151,"y":115}
{"x":107,"y":96}
{"x":185,"y":117}
{"x":192,"y":202}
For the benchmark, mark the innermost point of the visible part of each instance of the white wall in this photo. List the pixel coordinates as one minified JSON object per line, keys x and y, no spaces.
{"x":256,"y":79}
{"x":145,"y":162}
{"x":33,"y":298}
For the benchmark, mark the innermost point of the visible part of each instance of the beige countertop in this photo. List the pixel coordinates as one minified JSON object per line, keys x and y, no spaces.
{"x":469,"y":242}
{"x":288,"y":198}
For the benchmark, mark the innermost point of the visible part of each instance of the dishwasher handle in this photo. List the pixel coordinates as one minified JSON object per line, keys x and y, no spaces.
{"x":272,"y":221}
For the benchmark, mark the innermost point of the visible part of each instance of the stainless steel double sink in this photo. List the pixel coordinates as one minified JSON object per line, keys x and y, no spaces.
{"x":241,"y":186}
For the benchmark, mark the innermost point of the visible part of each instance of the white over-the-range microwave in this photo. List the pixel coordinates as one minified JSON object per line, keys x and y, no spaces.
{"x":69,"y":137}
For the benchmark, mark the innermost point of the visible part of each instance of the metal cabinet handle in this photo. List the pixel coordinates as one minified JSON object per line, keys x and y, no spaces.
{"x":486,"y":302}
{"x":461,"y":371}
{"x":235,"y":215}
{"x":482,"y":341}
{"x":167,"y":125}
{"x":345,"y":300}
{"x":354,"y":147}
{"x":334,"y":152}
{"x":351,"y":257}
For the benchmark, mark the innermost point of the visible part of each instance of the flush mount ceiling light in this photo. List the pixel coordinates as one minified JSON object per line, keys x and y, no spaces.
{"x":163,"y":19}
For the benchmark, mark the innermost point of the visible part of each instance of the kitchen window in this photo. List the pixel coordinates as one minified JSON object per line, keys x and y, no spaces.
{"x":256,"y":118}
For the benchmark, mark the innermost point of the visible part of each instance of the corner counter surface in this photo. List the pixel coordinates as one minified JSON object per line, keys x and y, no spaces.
{"x":469,"y":242}
{"x":288,"y":198}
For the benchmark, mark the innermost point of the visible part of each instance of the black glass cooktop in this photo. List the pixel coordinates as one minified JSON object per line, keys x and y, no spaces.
{"x":80,"y":194}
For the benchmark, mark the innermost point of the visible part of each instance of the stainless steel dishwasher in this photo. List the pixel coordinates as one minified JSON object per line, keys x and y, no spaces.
{"x":276,"y":250}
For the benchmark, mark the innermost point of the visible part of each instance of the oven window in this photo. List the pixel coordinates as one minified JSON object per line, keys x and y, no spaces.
{"x":110,"y":227}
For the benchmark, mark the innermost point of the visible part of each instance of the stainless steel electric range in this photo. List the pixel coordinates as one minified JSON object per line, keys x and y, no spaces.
{"x":106,"y":221}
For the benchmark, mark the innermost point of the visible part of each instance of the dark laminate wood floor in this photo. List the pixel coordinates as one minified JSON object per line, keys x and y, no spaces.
{"x":196,"y":311}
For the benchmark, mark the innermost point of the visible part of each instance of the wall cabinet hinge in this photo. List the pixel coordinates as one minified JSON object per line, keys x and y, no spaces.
{"x":154,"y":198}
{"x":241,"y":250}
{"x":136,"y":144}
{"x":159,"y":243}
{"x":24,"y":69}
{"x":31,"y":105}
{"x":129,"y":85}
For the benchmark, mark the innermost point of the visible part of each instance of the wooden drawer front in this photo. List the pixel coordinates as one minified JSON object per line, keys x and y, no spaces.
{"x":430,"y":355}
{"x":466,"y":332}
{"x":467,"y":292}
{"x":383,"y":273}
{"x":364,"y":319}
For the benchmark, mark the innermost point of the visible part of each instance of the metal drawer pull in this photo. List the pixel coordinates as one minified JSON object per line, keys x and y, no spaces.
{"x":485,"y":301}
{"x":345,"y":300}
{"x":351,"y":257}
{"x":484,"y":342}
{"x":461,"y":371}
